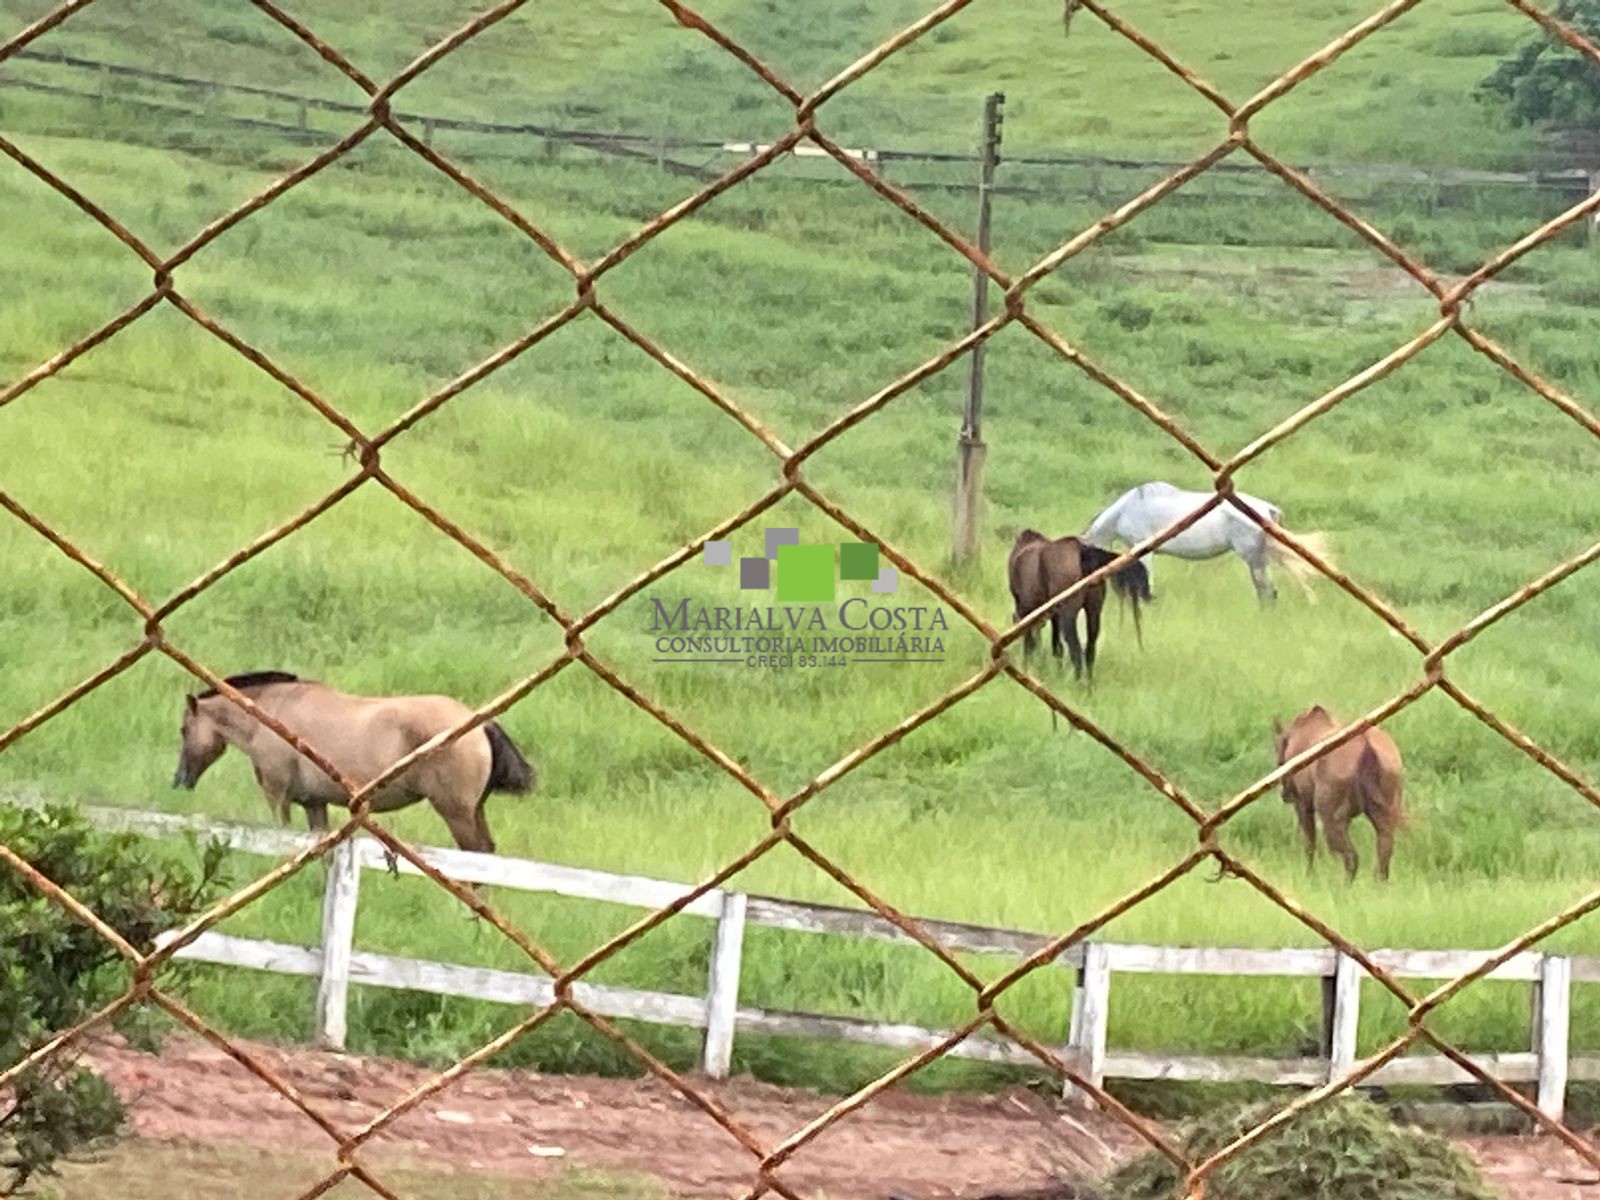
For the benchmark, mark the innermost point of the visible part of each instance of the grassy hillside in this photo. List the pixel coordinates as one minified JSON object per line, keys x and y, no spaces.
{"x":1443,"y":488}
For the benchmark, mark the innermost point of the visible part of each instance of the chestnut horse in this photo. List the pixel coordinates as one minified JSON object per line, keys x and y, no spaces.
{"x":1363,"y":777}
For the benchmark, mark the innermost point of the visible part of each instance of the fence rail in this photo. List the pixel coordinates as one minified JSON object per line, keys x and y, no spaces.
{"x":661,"y":147}
{"x":336,"y":964}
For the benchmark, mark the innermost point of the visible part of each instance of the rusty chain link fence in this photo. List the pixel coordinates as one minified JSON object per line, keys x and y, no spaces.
{"x":767,"y":1158}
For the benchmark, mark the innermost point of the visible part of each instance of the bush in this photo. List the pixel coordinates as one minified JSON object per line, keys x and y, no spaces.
{"x":1545,"y":80}
{"x":1347,"y":1149}
{"x":55,"y":970}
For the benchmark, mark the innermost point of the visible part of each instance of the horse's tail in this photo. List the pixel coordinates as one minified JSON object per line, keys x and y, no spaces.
{"x":1369,"y":786}
{"x":508,"y":770}
{"x":1131,"y":582}
{"x":1298,"y":568}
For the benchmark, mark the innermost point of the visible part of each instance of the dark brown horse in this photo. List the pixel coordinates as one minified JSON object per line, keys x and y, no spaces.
{"x":1041,"y":568}
{"x":363,"y":736}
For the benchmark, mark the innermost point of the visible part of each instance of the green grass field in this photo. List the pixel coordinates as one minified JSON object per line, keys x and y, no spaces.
{"x":1443,"y":488}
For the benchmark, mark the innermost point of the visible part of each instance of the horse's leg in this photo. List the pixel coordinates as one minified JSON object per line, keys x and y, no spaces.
{"x":1030,"y":640}
{"x":482,"y":821}
{"x":464,"y":820}
{"x":276,"y":790}
{"x":461,"y":818}
{"x":1265,"y":592}
{"x":1055,"y":633}
{"x":317,"y":823}
{"x":1068,"y":624}
{"x":1336,"y":827}
{"x":1308,"y":829}
{"x":1385,"y":827}
{"x":1255,"y":558}
{"x":1383,"y":807}
{"x":1091,"y":627}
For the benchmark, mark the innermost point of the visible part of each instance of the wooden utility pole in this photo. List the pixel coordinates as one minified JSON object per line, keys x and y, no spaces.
{"x":969,"y":445}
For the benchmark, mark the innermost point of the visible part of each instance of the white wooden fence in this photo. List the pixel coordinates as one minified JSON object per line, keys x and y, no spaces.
{"x":336,"y":964}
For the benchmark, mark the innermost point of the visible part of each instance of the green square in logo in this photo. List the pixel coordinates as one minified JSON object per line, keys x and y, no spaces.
{"x":858,"y":560}
{"x":805,"y":574}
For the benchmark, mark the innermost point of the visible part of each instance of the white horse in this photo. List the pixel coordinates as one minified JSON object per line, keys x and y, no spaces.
{"x":1146,"y":510}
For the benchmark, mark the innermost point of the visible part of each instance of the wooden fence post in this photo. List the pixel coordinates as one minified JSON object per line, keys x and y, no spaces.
{"x":339,"y":896}
{"x":967,"y":500}
{"x":1345,"y":1017}
{"x":722,"y":993}
{"x":1090,"y":1003}
{"x":1552,"y":1019}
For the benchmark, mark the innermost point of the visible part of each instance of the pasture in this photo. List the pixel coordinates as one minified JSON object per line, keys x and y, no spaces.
{"x":1443,"y":487}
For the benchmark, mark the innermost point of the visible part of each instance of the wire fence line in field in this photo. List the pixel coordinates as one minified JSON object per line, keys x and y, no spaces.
{"x":1054,"y":174}
{"x":148,"y":615}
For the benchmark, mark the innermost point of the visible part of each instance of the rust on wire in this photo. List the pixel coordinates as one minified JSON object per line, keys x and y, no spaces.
{"x":1585,"y":1149}
{"x":324,"y":51}
{"x":69,"y":1037}
{"x":646,"y":923}
{"x":789,"y":479}
{"x":1104,"y":1099}
{"x":864,"y":1095}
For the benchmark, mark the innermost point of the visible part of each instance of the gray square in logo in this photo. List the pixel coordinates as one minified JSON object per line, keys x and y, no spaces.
{"x":888,"y":580}
{"x":781,"y":537}
{"x":755,"y":574}
{"x":717,"y":554}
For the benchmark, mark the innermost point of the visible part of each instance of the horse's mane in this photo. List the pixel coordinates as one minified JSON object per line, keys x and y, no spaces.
{"x":251,"y":679}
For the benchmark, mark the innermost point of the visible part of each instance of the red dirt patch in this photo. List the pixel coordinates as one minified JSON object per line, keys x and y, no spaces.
{"x":524,"y":1124}
{"x":1533,"y":1168}
{"x":493,"y":1121}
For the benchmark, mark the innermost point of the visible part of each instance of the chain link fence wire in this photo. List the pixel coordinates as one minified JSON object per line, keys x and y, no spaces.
{"x":366,"y":447}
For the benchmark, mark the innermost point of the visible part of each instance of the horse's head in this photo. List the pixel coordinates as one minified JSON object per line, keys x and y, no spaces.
{"x":1305,"y":731}
{"x":203,"y":744}
{"x":1281,"y":755}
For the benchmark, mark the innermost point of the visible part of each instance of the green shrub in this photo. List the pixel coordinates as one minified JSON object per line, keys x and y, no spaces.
{"x":55,"y":970}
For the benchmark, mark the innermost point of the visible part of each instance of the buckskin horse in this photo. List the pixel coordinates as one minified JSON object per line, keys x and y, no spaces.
{"x":362,"y":736}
